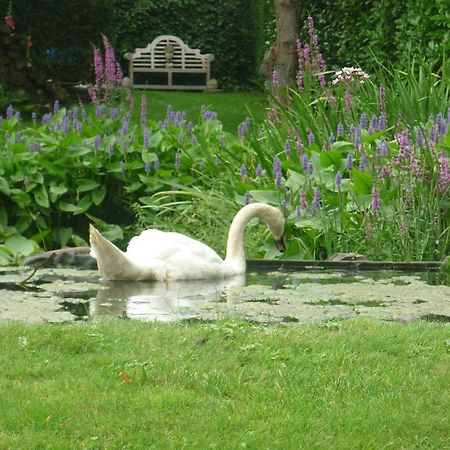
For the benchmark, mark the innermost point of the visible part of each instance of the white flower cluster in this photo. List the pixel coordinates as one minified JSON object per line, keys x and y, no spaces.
{"x":350,"y":75}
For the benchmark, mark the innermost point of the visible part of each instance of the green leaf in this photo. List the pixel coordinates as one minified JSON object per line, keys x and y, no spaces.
{"x":155,"y":140}
{"x":41,"y":197}
{"x":271,"y":197}
{"x":3,"y":217}
{"x":98,"y":195}
{"x":4,"y":186}
{"x":5,"y":257}
{"x":20,"y":245}
{"x":331,"y":158}
{"x":343,"y":146}
{"x":113,"y":233}
{"x":79,"y":241}
{"x":85,"y":185}
{"x":362,"y":182}
{"x":295,"y":180}
{"x":84,"y":204}
{"x":58,"y":190}
{"x":68,"y":207}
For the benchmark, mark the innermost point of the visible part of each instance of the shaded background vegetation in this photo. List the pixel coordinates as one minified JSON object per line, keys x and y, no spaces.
{"x":236,"y":31}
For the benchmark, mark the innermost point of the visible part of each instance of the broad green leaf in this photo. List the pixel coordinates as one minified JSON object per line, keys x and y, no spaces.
{"x":41,"y":197}
{"x":155,"y":140}
{"x":85,"y":185}
{"x":68,"y":207}
{"x":362,"y":182}
{"x":3,"y":217}
{"x":331,"y":158}
{"x":4,"y":187}
{"x":84,"y":204}
{"x":271,"y":197}
{"x":343,"y":146}
{"x":113,"y":232}
{"x":314,"y":223}
{"x":295,"y":180}
{"x":5,"y":257}
{"x":58,"y":190}
{"x":20,"y":245}
{"x":98,"y":195}
{"x":79,"y":241}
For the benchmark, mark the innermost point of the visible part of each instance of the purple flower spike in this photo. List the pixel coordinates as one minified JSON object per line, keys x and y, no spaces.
{"x":97,"y":141}
{"x":156,"y":164}
{"x":297,"y":213}
{"x":382,"y":122}
{"x":382,"y":148}
{"x":375,"y":200}
{"x":143,"y":110}
{"x":339,"y":180}
{"x":305,"y":162}
{"x":363,"y":121}
{"x":177,"y":161}
{"x":420,"y":138}
{"x":56,"y":107}
{"x":147,"y":167}
{"x":247,"y":198}
{"x":340,"y":129}
{"x":9,"y":112}
{"x":303,"y":201}
{"x":243,"y":171}
{"x":311,"y":138}
{"x":259,"y":170}
{"x":287,"y":148}
{"x":278,"y":180}
{"x":310,"y":169}
{"x":276,"y":164}
{"x":315,"y":204}
{"x":350,"y":161}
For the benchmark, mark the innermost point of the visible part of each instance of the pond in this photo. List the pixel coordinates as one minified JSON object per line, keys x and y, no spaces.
{"x":264,"y":295}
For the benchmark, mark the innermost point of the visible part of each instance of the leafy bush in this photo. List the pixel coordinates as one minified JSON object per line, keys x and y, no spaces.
{"x":232,"y":30}
{"x":353,"y":32}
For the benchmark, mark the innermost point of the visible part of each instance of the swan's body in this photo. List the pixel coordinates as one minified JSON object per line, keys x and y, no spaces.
{"x":158,"y":255}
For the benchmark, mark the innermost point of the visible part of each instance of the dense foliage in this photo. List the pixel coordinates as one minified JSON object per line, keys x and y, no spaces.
{"x":362,"y":32}
{"x":232,"y":30}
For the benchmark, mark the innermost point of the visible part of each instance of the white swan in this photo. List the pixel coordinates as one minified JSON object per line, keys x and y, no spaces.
{"x":157,"y":255}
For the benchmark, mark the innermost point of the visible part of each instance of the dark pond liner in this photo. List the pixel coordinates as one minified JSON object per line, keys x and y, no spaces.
{"x":304,"y":265}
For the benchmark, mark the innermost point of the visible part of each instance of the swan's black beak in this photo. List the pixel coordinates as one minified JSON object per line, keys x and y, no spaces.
{"x":281,"y":245}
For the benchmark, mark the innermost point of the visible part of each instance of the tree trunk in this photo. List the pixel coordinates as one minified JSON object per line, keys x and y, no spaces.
{"x":282,"y":57}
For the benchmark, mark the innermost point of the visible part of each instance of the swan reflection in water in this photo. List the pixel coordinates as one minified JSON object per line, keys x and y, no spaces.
{"x":161,"y":300}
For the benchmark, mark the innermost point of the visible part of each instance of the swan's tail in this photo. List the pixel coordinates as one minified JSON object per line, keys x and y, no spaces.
{"x":111,"y":261}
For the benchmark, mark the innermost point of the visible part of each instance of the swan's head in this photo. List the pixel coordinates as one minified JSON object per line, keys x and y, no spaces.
{"x":275,"y":221}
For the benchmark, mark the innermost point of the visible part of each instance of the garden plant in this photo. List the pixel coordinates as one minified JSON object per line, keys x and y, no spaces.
{"x":358,"y":163}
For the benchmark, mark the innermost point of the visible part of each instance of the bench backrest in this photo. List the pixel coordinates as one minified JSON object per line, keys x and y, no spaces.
{"x":154,"y":55}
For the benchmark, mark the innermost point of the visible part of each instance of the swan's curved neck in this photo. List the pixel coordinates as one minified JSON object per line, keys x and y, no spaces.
{"x":235,"y":256}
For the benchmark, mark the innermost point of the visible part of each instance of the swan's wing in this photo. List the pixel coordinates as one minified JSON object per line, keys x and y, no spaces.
{"x":178,"y":252}
{"x":160,"y":245}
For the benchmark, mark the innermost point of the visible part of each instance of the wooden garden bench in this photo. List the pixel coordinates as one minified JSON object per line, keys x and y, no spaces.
{"x":169,"y":55}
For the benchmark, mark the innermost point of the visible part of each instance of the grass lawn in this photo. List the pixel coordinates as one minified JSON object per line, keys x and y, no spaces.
{"x":226,"y":385}
{"x":232,"y":107}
